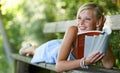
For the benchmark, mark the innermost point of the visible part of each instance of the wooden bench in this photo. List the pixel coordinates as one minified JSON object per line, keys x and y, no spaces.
{"x":23,"y":65}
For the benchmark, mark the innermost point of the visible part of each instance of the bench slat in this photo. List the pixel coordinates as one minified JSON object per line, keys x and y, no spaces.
{"x":26,"y":60}
{"x":58,"y":26}
{"x":112,"y":21}
{"x":92,"y":69}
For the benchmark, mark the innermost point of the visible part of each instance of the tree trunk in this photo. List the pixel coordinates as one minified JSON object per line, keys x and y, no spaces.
{"x":5,"y":39}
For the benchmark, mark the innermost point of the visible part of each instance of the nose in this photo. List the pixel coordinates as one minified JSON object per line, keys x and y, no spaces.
{"x":81,"y":22}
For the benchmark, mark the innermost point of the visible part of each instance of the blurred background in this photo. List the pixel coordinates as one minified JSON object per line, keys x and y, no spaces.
{"x":23,"y":21}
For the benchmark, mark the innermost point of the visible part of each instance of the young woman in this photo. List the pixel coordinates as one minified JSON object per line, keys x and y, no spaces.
{"x":89,"y":17}
{"x":61,"y":51}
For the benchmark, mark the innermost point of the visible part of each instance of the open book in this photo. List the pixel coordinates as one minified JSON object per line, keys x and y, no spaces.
{"x":92,"y":41}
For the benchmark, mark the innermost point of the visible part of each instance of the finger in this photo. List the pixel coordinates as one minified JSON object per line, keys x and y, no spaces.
{"x":94,"y":54}
{"x":96,"y":57}
{"x":91,"y":58}
{"x":99,"y":58}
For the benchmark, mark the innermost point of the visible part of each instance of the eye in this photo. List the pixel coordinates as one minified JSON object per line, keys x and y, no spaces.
{"x":88,"y":19}
{"x":79,"y":17}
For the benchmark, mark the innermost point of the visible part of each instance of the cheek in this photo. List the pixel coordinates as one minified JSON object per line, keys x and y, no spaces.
{"x":91,"y":26}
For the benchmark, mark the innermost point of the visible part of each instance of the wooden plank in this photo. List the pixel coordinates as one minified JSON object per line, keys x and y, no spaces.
{"x":54,"y":27}
{"x":58,"y":26}
{"x":21,"y":58}
{"x":51,"y":67}
{"x":26,"y":60}
{"x":63,"y":25}
{"x":21,"y":67}
{"x":93,"y":69}
{"x":50,"y":27}
{"x":113,"y":22}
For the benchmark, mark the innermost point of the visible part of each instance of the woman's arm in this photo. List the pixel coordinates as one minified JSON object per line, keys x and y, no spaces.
{"x":109,"y":59}
{"x":62,"y":63}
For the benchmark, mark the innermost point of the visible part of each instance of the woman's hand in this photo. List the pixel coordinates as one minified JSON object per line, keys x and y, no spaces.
{"x":95,"y":57}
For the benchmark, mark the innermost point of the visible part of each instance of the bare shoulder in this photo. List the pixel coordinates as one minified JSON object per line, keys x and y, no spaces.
{"x":72,"y":28}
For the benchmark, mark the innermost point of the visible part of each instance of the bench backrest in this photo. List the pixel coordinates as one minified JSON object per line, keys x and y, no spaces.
{"x":113,"y":21}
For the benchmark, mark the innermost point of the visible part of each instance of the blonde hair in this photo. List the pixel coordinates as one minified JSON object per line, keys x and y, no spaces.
{"x":98,"y":10}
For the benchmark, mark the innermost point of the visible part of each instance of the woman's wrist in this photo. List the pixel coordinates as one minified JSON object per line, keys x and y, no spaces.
{"x":82,"y":63}
{"x":86,"y":63}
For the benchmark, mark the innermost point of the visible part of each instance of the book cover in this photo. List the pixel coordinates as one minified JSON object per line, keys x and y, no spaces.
{"x":92,"y":41}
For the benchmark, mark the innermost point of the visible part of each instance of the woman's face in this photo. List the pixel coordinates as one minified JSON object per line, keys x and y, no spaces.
{"x":86,"y":20}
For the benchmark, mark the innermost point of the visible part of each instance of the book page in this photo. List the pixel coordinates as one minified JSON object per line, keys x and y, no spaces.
{"x":92,"y":41}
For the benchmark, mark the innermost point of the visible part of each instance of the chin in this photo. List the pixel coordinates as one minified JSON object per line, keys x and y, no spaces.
{"x":83,"y":30}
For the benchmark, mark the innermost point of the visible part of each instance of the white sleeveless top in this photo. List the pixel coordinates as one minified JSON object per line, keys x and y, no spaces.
{"x":48,"y":52}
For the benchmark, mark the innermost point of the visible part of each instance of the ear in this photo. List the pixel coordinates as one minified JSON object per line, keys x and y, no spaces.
{"x":100,"y":23}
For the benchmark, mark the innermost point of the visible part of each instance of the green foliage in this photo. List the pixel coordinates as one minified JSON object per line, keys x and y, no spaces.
{"x":24,"y":21}
{"x":5,"y":65}
{"x":115,"y":44}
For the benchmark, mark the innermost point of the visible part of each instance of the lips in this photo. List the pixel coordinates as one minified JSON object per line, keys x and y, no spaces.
{"x":82,"y":27}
